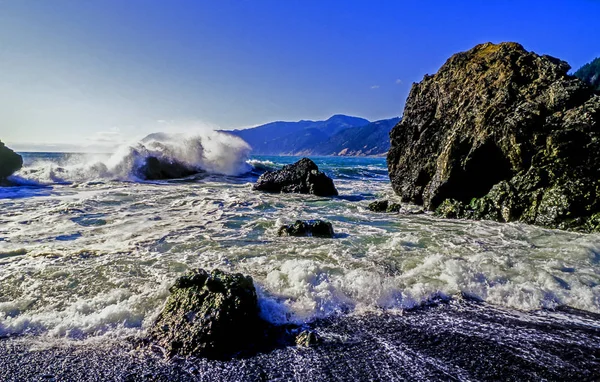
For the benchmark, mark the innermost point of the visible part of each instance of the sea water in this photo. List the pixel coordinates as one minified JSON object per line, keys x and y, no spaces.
{"x":88,"y":249}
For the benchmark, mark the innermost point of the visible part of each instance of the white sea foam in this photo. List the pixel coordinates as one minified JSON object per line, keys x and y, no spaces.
{"x":211,"y":151}
{"x":262,"y":165}
{"x":97,"y":258}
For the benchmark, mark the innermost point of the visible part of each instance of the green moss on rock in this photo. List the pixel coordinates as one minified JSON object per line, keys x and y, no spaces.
{"x":384,"y":206}
{"x":503,"y":134}
{"x":213,"y":315}
{"x":316,"y":228}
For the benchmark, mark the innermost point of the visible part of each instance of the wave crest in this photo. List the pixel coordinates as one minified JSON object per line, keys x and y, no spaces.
{"x":212,"y":152}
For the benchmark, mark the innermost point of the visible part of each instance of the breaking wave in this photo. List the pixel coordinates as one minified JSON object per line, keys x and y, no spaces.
{"x":212,"y":152}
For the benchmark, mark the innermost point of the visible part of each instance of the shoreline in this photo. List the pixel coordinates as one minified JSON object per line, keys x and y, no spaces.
{"x":446,"y":341}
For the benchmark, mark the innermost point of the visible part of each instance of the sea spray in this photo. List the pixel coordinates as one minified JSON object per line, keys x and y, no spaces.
{"x":213,"y":152}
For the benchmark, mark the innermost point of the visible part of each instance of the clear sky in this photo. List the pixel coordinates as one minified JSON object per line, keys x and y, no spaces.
{"x":104,"y":71}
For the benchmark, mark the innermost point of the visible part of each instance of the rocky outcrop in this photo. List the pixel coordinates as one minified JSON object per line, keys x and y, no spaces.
{"x":10,"y":162}
{"x":213,"y":315}
{"x":216,"y":315}
{"x":301,"y":177}
{"x":161,"y":168}
{"x":501,"y":133}
{"x":316,"y":228}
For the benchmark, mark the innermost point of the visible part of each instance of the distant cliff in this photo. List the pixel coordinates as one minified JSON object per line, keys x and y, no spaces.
{"x":338,"y":135}
{"x":590,"y":73}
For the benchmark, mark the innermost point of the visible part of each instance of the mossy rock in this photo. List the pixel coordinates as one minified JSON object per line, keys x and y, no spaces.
{"x":384,"y":206}
{"x":450,"y":209}
{"x":213,"y":315}
{"x":503,"y":134}
{"x":378,"y":206}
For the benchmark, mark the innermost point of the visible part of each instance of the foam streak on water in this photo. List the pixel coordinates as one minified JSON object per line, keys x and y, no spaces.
{"x":97,"y":257}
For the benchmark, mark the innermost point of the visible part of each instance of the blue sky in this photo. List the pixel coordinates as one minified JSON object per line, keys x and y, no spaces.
{"x":100,"y":72}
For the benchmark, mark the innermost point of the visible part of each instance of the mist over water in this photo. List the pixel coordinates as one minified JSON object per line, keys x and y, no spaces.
{"x":93,"y":252}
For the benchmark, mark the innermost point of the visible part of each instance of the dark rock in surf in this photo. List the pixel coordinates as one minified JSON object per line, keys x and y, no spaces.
{"x":316,"y":228}
{"x":301,"y":177}
{"x":216,"y":315}
{"x":161,"y":168}
{"x":504,"y":134}
{"x":10,"y":162}
{"x":213,"y":315}
{"x":384,"y":206}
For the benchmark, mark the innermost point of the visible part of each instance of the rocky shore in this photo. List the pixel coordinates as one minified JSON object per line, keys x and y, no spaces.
{"x":440,"y":342}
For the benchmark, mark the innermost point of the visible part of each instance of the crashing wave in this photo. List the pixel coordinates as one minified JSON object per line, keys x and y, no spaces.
{"x":157,"y":156}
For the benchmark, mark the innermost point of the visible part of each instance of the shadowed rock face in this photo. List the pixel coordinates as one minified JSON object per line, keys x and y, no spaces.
{"x":160,"y":168}
{"x":504,"y":134}
{"x":10,"y":162}
{"x":302,"y":177}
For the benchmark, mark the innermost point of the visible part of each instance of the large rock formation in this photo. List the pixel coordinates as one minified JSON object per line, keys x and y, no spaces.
{"x":504,"y":134}
{"x":301,"y":177}
{"x":10,"y":162}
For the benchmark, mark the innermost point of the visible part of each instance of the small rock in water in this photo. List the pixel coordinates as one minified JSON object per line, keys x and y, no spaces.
{"x":213,"y":315}
{"x":316,"y":228}
{"x":307,"y":338}
{"x":384,"y":206}
{"x":302,"y":177}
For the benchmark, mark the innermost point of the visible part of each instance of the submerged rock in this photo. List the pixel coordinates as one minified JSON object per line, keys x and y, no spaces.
{"x":384,"y":206}
{"x":213,"y":315}
{"x":504,"y":134}
{"x":10,"y":162}
{"x":301,"y":177}
{"x":316,"y":228}
{"x":161,"y":168}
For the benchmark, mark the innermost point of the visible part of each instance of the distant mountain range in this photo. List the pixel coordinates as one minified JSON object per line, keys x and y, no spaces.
{"x":339,"y":135}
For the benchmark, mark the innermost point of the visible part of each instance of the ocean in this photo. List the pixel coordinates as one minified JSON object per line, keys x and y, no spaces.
{"x":88,"y":252}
